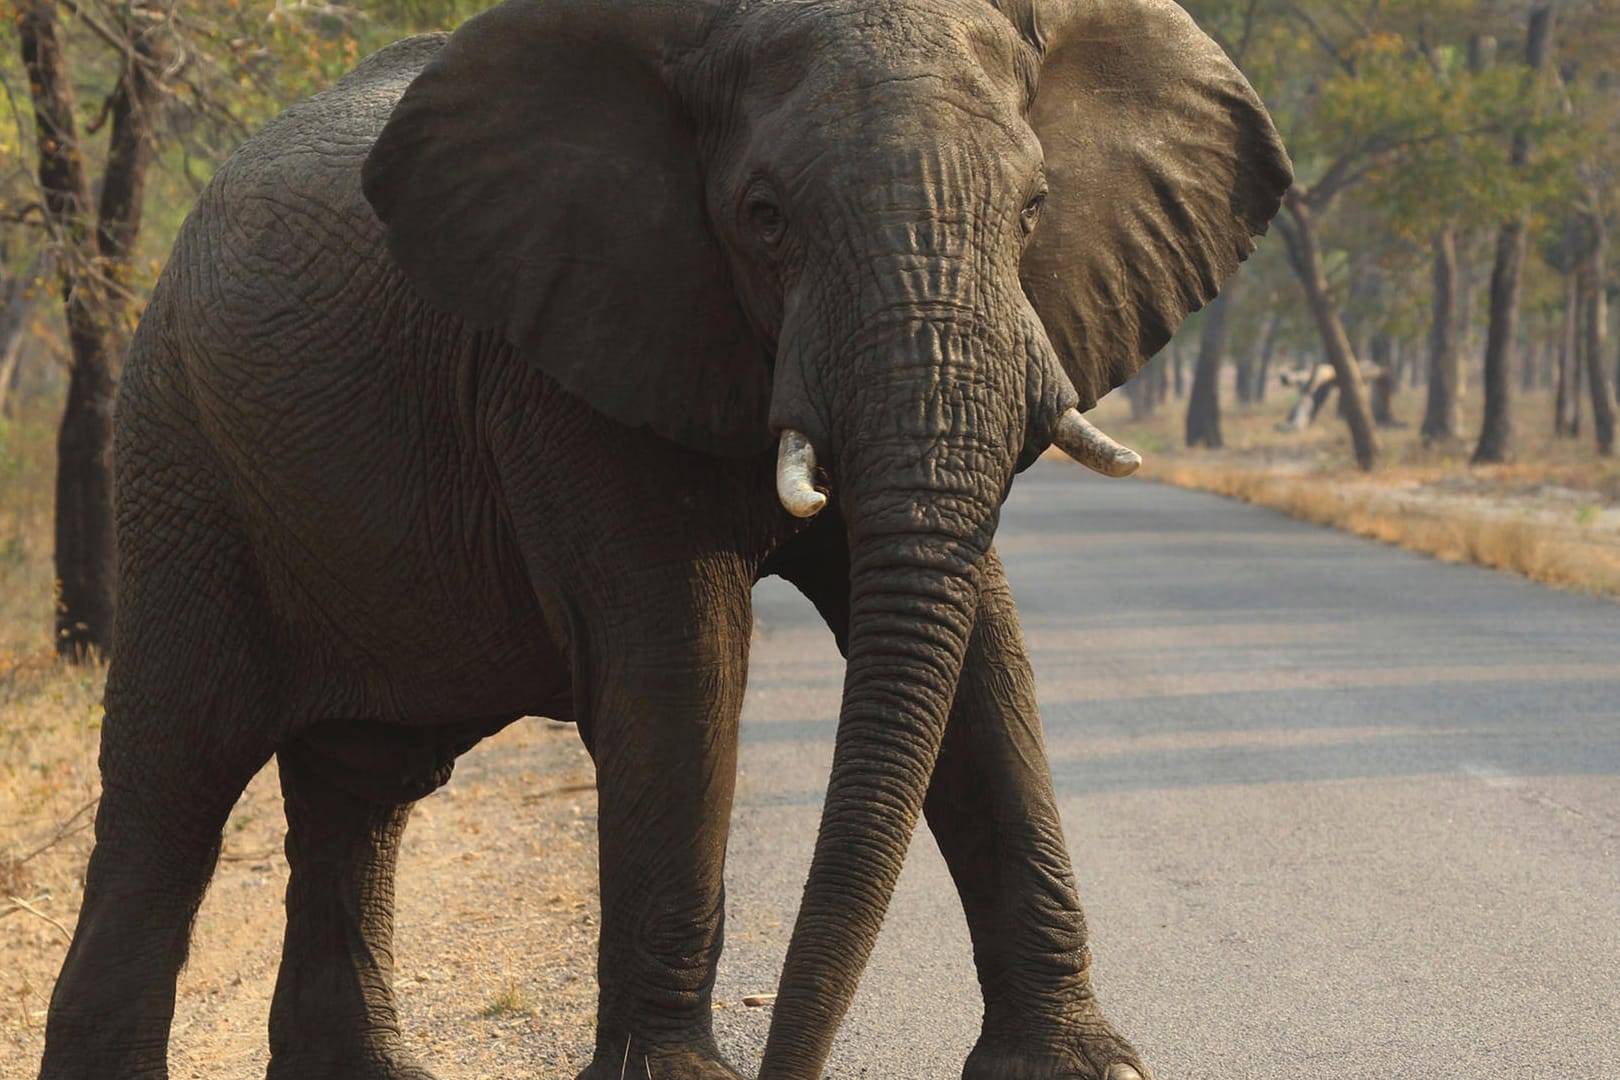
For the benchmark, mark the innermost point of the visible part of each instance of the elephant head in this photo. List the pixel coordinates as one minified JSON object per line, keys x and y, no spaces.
{"x":909,"y":239}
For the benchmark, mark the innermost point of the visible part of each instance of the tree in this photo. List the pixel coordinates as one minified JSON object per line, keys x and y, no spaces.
{"x":1496,"y":433}
{"x":1305,"y":252}
{"x":94,"y":244}
{"x":1567,"y":395}
{"x":1203,"y":426}
{"x":1354,"y":101}
{"x":1442,"y":413}
{"x":1590,"y":323}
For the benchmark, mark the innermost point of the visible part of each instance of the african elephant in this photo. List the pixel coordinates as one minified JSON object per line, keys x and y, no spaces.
{"x":488,"y":382}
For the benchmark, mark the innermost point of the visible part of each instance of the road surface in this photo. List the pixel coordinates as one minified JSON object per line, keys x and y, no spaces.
{"x":1337,"y":810}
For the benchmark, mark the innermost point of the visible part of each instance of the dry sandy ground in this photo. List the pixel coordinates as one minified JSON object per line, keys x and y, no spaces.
{"x":497,"y":906}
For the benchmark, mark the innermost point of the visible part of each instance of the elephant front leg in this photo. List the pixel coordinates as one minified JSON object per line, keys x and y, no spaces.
{"x":663,"y":733}
{"x":992,"y":809}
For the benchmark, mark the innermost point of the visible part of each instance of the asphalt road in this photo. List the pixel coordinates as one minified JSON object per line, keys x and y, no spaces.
{"x":1337,"y":810}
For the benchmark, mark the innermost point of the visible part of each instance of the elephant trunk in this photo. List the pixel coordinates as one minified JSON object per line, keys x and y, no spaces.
{"x":905,"y":655}
{"x":921,"y":501}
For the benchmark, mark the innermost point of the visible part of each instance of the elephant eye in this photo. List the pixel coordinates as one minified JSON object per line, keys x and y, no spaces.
{"x":766,"y":219}
{"x":1032,"y":211}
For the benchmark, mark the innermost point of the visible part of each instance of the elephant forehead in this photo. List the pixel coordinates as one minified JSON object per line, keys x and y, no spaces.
{"x":835,"y":52}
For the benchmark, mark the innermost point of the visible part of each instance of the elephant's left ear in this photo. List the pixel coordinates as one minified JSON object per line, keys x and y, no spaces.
{"x":1162,"y":166}
{"x":541,"y":176}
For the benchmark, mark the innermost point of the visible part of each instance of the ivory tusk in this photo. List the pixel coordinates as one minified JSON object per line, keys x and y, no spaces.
{"x":796,"y":475}
{"x":1086,"y":443}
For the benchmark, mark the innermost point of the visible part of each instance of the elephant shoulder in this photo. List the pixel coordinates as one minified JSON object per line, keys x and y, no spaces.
{"x":283,"y":230}
{"x":315,"y":148}
{"x":402,"y":59}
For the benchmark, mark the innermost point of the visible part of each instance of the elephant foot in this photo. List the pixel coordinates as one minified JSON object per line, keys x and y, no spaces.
{"x":1099,"y":1052}
{"x":659,"y":1063}
{"x":387,"y":1061}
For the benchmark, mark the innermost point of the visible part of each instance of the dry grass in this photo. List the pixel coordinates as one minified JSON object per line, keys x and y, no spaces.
{"x":50,"y":725}
{"x":509,"y":999}
{"x":1552,"y":516}
{"x":50,"y":728}
{"x":50,"y":712}
{"x":1538,"y":551}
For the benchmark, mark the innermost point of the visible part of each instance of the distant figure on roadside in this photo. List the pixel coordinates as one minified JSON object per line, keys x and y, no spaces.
{"x":1317,"y":383}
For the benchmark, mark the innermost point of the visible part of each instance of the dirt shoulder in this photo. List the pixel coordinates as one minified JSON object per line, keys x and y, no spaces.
{"x":497,"y":898}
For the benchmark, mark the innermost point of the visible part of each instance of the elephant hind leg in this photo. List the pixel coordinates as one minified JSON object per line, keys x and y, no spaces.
{"x":113,"y":1003}
{"x":333,"y":1014}
{"x":191,"y":715}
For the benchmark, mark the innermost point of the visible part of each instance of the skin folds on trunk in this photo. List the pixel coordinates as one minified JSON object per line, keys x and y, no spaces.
{"x":910,"y":623}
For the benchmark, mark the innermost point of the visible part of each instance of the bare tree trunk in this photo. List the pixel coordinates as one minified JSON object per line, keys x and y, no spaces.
{"x":1142,"y":391}
{"x":1305,"y":252}
{"x":1204,"y":403}
{"x":17,"y":302}
{"x":1567,"y":398}
{"x":1244,"y":367}
{"x":92,"y":260}
{"x":1496,"y":434}
{"x":1268,"y":345}
{"x":1181,"y":378}
{"x":1442,"y":415}
{"x":1383,"y":385}
{"x":1594,"y":323}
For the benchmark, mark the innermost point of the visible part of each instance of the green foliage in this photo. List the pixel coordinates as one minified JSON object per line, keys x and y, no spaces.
{"x":1400,"y":115}
{"x":236,"y":63}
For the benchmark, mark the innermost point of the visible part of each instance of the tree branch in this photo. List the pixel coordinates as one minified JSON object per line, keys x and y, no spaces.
{"x":1334,"y":50}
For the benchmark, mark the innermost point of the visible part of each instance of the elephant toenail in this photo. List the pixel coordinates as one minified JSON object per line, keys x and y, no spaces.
{"x":1122,"y":1071}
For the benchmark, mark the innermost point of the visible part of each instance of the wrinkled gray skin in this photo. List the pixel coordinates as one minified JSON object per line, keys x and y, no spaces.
{"x":457,"y":411}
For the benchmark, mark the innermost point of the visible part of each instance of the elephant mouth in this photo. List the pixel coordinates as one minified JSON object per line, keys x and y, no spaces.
{"x":801,"y":496}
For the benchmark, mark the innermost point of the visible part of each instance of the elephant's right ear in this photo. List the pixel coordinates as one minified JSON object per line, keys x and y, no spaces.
{"x":540,"y":176}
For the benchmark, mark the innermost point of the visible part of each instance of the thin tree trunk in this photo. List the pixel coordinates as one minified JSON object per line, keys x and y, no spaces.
{"x":1268,"y":345}
{"x":1442,"y":415}
{"x":1481,"y":57}
{"x":1496,"y":434}
{"x":92,"y":261}
{"x":1594,"y":323}
{"x":1305,"y":252}
{"x":1204,"y":403}
{"x":1529,"y":364}
{"x":1181,"y":378}
{"x":1142,"y":391}
{"x":10,"y":369}
{"x":1383,"y":385}
{"x":1243,"y":370}
{"x":1567,"y":397}
{"x":17,"y":302}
